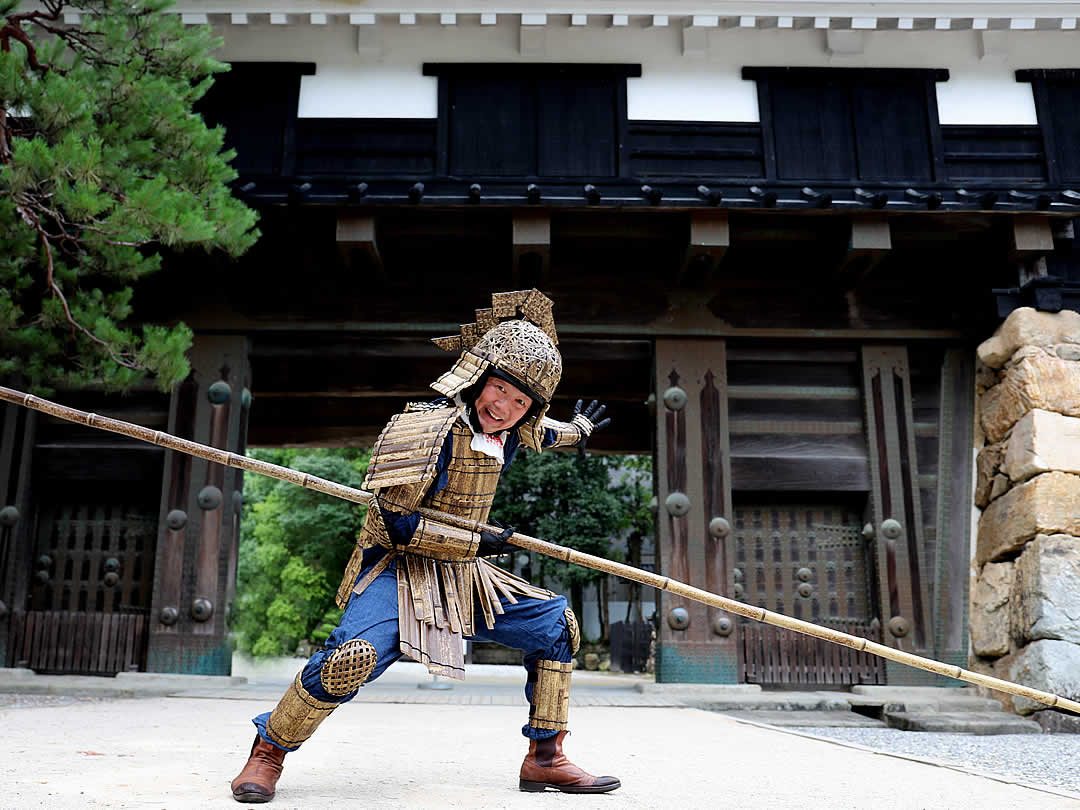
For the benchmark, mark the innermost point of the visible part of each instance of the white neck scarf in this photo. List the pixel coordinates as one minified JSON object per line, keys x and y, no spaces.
{"x":490,"y":444}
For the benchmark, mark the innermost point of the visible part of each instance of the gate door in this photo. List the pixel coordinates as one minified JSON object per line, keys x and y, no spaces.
{"x":91,"y":586}
{"x":811,"y":562}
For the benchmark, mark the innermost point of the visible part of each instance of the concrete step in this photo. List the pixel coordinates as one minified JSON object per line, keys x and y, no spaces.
{"x":994,"y":722}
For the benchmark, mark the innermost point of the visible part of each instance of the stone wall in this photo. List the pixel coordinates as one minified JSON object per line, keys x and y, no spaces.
{"x":1025,"y":595}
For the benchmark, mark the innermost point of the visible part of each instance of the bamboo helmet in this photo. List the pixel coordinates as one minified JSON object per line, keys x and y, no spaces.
{"x":515,"y":339}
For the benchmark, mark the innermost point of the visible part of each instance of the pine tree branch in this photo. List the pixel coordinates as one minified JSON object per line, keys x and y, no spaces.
{"x":32,"y":220}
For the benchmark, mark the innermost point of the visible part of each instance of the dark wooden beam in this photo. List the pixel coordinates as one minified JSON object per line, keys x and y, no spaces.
{"x":869,"y":243}
{"x":532,"y":247}
{"x":356,"y":234}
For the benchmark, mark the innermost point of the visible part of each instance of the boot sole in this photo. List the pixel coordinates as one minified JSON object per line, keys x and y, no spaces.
{"x":253,"y":798}
{"x":540,"y":787}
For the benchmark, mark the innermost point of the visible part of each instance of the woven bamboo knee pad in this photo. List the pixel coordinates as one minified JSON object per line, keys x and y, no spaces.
{"x":574,"y":629}
{"x":296,"y":716}
{"x":551,"y":695}
{"x":348,"y":667}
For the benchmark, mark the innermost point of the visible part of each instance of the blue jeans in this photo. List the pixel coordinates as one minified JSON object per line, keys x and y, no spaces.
{"x":537,"y":627}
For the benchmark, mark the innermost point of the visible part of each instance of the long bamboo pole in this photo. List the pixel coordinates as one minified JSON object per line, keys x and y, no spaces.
{"x":524,"y":541}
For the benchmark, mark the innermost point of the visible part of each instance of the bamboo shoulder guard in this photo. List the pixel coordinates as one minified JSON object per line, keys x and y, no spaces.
{"x":407,"y":451}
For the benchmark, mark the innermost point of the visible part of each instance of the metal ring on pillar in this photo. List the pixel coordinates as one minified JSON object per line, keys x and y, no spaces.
{"x":678,"y":619}
{"x":209,"y":498}
{"x":202,"y":610}
{"x":675,"y":398}
{"x":245,"y":398}
{"x":899,"y":626}
{"x":677,"y":504}
{"x":168,"y":616}
{"x":9,"y":516}
{"x":722,"y":626}
{"x":219,"y":393}
{"x":176,"y":519}
{"x":719,"y":527}
{"x":891,"y":528}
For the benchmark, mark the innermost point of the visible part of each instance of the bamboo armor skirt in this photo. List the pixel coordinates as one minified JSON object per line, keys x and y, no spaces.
{"x":437,"y":602}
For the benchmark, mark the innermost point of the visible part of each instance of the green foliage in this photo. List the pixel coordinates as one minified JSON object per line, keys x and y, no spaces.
{"x":584,"y":504}
{"x":294,"y":544}
{"x":103,"y":164}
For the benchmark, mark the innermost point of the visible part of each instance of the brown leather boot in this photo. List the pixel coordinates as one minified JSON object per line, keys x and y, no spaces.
{"x":547,"y":766}
{"x":257,"y":781}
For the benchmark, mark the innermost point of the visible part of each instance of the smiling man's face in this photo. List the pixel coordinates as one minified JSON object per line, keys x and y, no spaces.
{"x":500,"y":405}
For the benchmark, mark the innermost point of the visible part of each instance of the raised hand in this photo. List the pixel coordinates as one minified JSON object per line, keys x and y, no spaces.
{"x":588,"y":421}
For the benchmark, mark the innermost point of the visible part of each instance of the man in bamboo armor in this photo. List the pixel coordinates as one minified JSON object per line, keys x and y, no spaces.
{"x":416,"y":586}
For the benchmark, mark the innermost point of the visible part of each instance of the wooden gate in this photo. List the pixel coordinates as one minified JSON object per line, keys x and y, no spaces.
{"x":809,"y":561}
{"x":91,"y":588}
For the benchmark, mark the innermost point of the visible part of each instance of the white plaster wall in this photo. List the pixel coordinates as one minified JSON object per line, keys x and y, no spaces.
{"x":384,"y":78}
{"x":994,"y":97}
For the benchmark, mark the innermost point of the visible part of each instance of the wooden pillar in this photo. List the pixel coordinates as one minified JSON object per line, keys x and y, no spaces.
{"x":953,"y":567}
{"x":16,"y":444}
{"x":695,"y":644}
{"x":200,"y":501}
{"x":903,"y":579}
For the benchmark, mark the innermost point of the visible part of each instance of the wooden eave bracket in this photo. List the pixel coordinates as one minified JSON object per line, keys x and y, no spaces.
{"x":1031,"y":237}
{"x":531,"y":246}
{"x":869,"y":243}
{"x":356,"y":234}
{"x":710,"y":238}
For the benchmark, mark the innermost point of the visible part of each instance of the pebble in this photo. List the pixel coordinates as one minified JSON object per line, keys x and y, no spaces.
{"x":1051,"y":760}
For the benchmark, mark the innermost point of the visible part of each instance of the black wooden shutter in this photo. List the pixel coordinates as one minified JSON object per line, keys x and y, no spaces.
{"x":842,"y":125}
{"x":257,"y":103}
{"x":1057,"y":104}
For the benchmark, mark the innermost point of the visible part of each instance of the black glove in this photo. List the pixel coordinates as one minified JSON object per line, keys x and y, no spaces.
{"x":492,"y":544}
{"x":588,"y":422}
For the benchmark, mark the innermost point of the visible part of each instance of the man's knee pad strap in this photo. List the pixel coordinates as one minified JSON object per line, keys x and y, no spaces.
{"x":296,"y":716}
{"x":574,"y":630}
{"x":348,"y":667}
{"x":551,"y":695}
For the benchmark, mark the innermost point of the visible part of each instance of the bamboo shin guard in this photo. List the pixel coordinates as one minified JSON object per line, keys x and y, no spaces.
{"x":551,"y":695}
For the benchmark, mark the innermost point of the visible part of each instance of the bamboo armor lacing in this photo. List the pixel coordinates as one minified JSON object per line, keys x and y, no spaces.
{"x":551,"y":695}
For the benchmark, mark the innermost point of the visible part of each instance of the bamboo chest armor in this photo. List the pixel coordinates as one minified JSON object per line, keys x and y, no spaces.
{"x":440,"y":581}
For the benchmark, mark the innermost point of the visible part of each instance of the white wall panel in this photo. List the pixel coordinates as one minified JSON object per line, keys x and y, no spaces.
{"x":376,"y":91}
{"x":664,"y":93}
{"x":993,"y":98}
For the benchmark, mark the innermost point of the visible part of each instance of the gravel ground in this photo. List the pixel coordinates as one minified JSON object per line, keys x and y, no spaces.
{"x":1038,"y":759}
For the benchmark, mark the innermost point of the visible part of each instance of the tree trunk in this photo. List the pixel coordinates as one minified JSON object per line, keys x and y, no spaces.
{"x":633,"y":606}
{"x":602,"y":597}
{"x":577,"y":602}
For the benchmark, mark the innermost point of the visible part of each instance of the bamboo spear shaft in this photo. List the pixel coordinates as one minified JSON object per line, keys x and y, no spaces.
{"x":524,"y":541}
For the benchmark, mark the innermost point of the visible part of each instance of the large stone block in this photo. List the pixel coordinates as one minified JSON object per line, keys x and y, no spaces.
{"x":1047,"y":504}
{"x":1042,"y":441}
{"x":990,"y":610}
{"x":1039,"y":380}
{"x":1045,"y":599}
{"x":987,"y":464}
{"x":1028,"y":327}
{"x":1052,"y":666}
